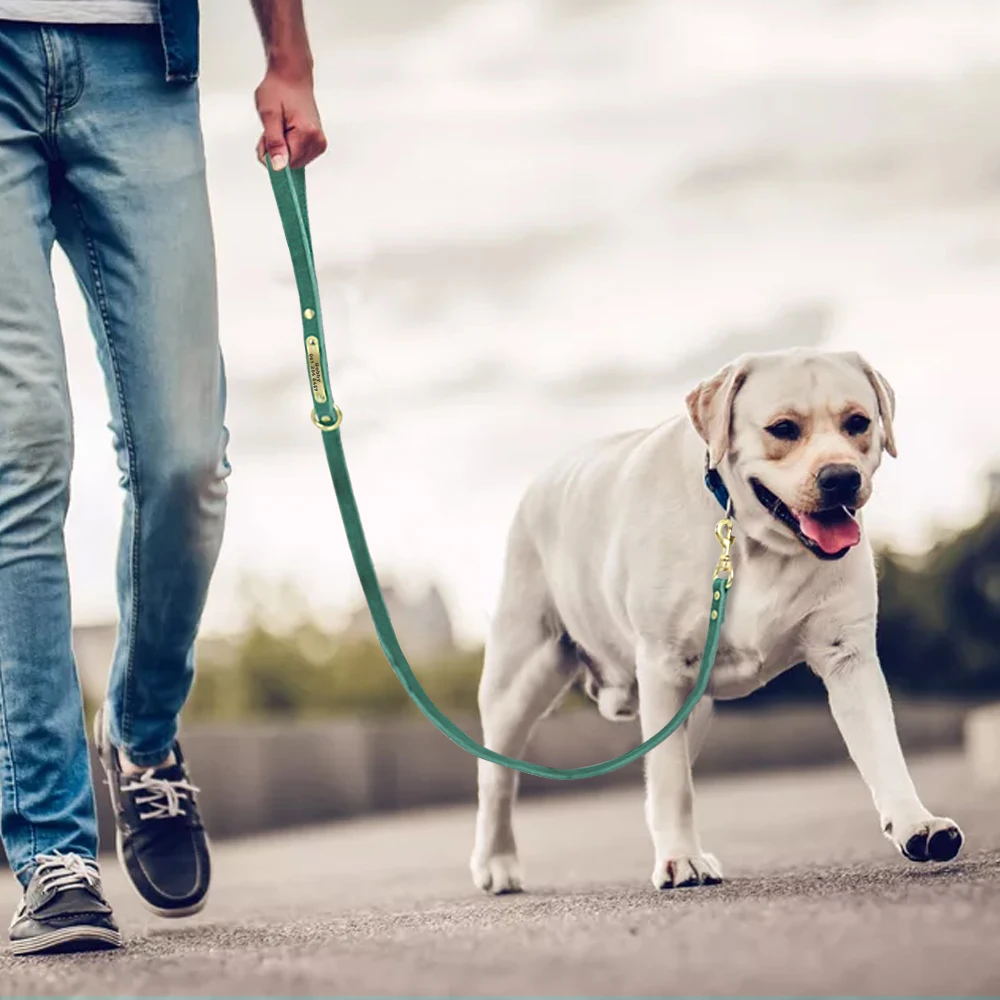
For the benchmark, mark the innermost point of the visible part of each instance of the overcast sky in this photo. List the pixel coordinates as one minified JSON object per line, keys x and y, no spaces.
{"x":544,"y":220}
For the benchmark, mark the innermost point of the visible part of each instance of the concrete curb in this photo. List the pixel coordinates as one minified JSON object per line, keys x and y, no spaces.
{"x":982,"y":744}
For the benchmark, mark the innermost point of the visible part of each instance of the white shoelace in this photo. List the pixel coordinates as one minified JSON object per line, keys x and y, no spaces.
{"x":165,"y":798}
{"x":59,"y":872}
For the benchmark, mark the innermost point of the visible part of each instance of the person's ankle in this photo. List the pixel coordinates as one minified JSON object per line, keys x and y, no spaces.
{"x":128,"y":768}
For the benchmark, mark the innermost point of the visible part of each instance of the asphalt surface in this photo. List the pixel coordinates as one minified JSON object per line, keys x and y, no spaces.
{"x":816,"y":902}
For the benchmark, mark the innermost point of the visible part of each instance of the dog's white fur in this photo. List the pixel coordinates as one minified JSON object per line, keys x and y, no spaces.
{"x":608,"y":572}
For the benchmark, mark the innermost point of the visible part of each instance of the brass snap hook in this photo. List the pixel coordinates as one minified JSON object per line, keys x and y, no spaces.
{"x":724,"y":533}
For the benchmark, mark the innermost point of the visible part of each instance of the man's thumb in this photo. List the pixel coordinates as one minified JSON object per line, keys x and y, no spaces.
{"x":274,"y":141}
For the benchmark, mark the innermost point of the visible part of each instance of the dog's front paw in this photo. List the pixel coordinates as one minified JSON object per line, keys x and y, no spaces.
{"x":931,"y":840}
{"x":500,"y":874}
{"x":686,"y":870}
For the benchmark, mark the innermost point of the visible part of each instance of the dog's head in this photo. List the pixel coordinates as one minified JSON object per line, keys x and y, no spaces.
{"x":797,"y":436}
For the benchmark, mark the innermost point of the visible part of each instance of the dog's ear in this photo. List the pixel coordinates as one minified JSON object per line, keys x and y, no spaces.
{"x":710,"y":407}
{"x":886,"y":403}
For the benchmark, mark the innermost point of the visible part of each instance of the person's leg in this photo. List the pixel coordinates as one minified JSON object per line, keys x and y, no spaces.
{"x":133,"y":215}
{"x":47,"y":795}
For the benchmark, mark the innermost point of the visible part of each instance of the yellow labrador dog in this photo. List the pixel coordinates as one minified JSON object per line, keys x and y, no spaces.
{"x":608,"y":566}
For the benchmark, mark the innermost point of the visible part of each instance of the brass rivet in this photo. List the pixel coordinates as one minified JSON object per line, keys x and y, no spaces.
{"x":717,"y":595}
{"x":715,"y":614}
{"x":309,"y":314}
{"x":324,"y":425}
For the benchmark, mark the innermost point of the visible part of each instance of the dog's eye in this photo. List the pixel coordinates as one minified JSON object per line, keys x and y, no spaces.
{"x":785,"y":430}
{"x":856,"y":424}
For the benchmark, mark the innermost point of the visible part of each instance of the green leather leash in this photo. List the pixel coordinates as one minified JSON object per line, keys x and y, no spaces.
{"x":290,"y":193}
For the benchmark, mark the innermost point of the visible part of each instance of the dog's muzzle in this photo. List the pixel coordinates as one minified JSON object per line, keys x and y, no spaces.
{"x":829,"y":532}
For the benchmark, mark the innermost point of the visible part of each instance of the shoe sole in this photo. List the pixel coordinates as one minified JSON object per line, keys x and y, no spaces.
{"x":68,"y":939}
{"x":175,"y":913}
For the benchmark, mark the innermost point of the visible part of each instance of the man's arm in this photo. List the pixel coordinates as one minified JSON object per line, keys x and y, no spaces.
{"x":286,"y":103}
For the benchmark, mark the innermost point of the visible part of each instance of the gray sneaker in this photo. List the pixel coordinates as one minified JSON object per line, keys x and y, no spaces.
{"x":63,"y":909}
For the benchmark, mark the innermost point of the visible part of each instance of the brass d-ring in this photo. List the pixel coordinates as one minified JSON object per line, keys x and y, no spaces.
{"x":326,"y":428}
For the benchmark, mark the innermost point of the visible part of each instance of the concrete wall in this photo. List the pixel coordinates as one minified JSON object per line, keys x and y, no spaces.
{"x":265,"y":777}
{"x":260,"y":777}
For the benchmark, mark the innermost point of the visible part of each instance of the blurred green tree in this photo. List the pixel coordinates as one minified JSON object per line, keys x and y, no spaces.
{"x":938,"y":623}
{"x":308,"y":673}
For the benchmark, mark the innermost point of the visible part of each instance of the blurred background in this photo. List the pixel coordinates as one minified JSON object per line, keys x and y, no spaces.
{"x":540,"y":221}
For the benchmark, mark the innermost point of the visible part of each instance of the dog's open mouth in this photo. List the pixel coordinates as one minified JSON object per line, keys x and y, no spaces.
{"x":828,"y":534}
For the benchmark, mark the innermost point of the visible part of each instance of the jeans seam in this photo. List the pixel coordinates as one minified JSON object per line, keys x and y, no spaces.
{"x":15,"y":799}
{"x":51,"y":113}
{"x":102,"y":305}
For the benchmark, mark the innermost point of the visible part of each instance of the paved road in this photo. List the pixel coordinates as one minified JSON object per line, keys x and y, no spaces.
{"x":815,"y":903}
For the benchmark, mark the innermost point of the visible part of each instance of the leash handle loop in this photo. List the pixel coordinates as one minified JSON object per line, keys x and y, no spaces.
{"x":289,"y":187}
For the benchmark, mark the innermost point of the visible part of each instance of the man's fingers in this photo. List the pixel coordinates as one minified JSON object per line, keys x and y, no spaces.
{"x":305,"y":143}
{"x":261,"y":151}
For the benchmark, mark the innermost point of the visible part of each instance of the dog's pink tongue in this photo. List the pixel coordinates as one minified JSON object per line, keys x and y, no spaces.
{"x":831,"y":538}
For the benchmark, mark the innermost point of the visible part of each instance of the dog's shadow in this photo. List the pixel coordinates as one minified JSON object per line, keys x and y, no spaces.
{"x":858,"y":880}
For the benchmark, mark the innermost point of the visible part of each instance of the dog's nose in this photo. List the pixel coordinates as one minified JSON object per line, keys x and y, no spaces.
{"x":838,"y":484}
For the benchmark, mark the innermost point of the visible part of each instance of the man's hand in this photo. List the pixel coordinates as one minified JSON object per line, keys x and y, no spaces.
{"x":293,"y":133}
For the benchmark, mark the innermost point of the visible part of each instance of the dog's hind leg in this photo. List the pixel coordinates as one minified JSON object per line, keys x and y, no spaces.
{"x":526,"y":671}
{"x":508,"y":718}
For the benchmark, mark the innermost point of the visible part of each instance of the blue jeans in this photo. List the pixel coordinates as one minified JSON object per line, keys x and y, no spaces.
{"x":100,"y":154}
